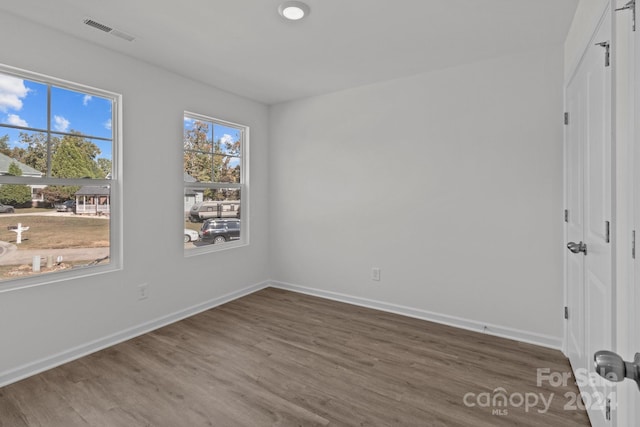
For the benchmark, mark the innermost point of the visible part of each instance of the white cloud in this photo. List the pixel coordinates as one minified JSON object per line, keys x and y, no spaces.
{"x":15,"y":120}
{"x":61,"y":124}
{"x":86,"y":99}
{"x":12,"y":90}
{"x":107,"y":124}
{"x":227,"y":139}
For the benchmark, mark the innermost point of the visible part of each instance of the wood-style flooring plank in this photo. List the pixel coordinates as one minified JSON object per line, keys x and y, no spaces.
{"x":278,"y":358}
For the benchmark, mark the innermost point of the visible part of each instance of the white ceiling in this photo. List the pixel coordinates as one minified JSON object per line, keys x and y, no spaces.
{"x":245,"y":47}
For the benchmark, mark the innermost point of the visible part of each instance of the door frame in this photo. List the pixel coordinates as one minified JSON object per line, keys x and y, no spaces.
{"x":627,"y":167}
{"x":628,"y":200}
{"x":625,"y":146}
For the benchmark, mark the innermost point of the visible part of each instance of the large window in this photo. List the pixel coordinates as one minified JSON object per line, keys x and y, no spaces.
{"x":214,"y":183}
{"x":58,"y":177}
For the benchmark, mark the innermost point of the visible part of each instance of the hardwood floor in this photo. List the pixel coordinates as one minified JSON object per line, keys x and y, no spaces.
{"x":287,"y":359}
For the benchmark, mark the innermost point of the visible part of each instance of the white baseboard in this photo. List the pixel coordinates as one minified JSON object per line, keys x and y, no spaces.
{"x":49,"y":362}
{"x":458,"y":322}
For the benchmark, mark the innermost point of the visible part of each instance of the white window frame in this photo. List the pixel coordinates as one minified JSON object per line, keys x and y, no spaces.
{"x":115,"y":184}
{"x":243,"y":186}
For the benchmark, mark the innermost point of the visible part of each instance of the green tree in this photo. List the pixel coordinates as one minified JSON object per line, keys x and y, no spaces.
{"x":4,"y":145}
{"x":35,"y":153}
{"x":105,"y":166}
{"x":15,"y":194}
{"x":14,"y":169}
{"x":57,"y":193}
{"x":74,"y":157}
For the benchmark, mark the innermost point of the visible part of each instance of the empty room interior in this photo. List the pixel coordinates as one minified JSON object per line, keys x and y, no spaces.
{"x":418,"y":212}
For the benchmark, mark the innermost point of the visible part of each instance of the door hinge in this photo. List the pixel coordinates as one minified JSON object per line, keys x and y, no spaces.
{"x":566,"y":312}
{"x":607,"y":231}
{"x":633,"y":244}
{"x":566,"y":215}
{"x":631,"y":5}
{"x":566,"y":118}
{"x":607,"y":412}
{"x":607,"y":52}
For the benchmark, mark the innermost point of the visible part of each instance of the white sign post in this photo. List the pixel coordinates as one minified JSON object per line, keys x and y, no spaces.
{"x":18,"y":230}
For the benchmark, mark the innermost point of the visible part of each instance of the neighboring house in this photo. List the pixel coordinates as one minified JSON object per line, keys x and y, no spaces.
{"x":191,"y":196}
{"x":93,"y":200}
{"x":36,"y":190}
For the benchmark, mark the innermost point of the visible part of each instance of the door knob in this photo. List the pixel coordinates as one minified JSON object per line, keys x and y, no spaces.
{"x":576,"y":248}
{"x":610,"y":366}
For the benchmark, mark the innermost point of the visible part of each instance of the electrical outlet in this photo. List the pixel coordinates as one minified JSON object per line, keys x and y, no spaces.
{"x":143,"y":291}
{"x":375,"y":274}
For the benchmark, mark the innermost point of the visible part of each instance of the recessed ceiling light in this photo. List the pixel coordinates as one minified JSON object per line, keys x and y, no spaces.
{"x":293,"y":10}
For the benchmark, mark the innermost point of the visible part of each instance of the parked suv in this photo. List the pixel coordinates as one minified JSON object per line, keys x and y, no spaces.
{"x":219,"y":230}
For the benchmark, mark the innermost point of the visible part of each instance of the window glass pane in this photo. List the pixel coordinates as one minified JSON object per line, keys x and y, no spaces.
{"x":226,"y":140}
{"x":226,"y":147}
{"x":226,"y":169}
{"x":22,"y":102}
{"x":25,"y":150}
{"x":68,"y":229}
{"x":214,"y":213}
{"x":77,"y":112}
{"x":103,"y":158}
{"x":74,"y":156}
{"x":198,"y":158}
{"x":198,"y":166}
{"x":197,"y":135}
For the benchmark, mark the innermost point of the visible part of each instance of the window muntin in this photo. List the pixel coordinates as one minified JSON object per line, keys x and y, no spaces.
{"x":60,"y":138}
{"x":214,"y":175}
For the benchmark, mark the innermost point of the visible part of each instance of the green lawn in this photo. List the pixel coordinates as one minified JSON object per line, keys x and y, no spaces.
{"x":193,"y":225}
{"x":57,"y":232}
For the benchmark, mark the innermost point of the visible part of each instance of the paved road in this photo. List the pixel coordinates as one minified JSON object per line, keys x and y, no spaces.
{"x":11,"y":255}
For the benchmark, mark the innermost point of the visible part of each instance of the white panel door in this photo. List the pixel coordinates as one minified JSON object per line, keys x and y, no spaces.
{"x":589,"y":274}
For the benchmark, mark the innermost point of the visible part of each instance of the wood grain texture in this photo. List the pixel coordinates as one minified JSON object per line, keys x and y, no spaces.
{"x":278,"y":358}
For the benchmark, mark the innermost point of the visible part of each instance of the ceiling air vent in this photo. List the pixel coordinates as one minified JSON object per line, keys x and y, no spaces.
{"x":107,"y":29}
{"x":101,"y":27}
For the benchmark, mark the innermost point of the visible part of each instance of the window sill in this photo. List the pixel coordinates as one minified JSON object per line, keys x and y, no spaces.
{"x":61,"y":276}
{"x":211,"y":248}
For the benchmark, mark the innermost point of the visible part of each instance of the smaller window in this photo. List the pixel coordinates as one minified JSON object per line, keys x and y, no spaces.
{"x":214,"y":166}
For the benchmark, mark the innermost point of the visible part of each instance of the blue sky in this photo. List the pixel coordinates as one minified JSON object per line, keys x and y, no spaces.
{"x":24,"y":103}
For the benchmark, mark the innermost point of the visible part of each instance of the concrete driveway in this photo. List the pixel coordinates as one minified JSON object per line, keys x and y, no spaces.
{"x":10,"y":254}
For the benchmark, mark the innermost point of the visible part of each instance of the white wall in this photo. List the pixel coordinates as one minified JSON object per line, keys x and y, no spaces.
{"x":450,"y":182}
{"x":45,"y":324}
